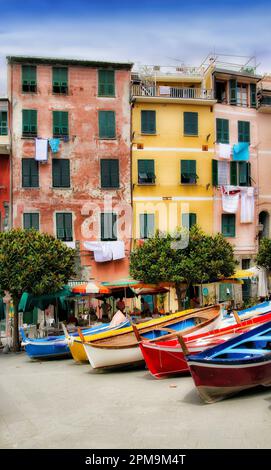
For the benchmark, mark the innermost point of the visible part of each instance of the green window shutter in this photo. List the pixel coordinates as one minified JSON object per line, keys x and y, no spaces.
{"x":215,"y":172}
{"x":188,"y":171}
{"x":61,"y":173}
{"x":148,"y":122}
{"x":29,"y":78}
{"x":107,"y":125}
{"x":68,"y":226}
{"x":31,"y":220}
{"x":222,"y":131}
{"x":244,"y":173}
{"x":146,"y":174}
{"x":190,"y":123}
{"x":29,"y":122}
{"x":60,"y":80}
{"x":146,"y":225}
{"x":3,"y":123}
{"x":253,"y":95}
{"x":109,"y":173}
{"x":106,"y":83}
{"x":244,"y":131}
{"x":233,"y":91}
{"x":228,"y":225}
{"x":30,"y":173}
{"x":60,"y":123}
{"x":60,"y":230}
{"x":189,"y":219}
{"x":233,"y":173}
{"x":64,"y":226}
{"x":108,"y":226}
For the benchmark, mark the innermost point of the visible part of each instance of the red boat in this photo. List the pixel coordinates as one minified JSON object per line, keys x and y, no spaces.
{"x":166,"y":358}
{"x":241,"y":363}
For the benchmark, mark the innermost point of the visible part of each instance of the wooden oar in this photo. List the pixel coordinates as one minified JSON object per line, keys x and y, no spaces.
{"x":183,"y":345}
{"x":237,"y":318}
{"x":81,"y":334}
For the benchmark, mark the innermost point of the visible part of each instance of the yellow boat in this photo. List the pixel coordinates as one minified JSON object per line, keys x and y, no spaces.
{"x":77,"y":349}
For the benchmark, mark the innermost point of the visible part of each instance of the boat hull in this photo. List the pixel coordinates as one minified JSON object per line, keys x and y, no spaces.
{"x":216,"y":382}
{"x":110,"y":358}
{"x":164,"y":359}
{"x":57,"y":349}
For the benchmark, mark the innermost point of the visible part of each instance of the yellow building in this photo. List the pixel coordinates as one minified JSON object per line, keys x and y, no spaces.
{"x":172,"y":149}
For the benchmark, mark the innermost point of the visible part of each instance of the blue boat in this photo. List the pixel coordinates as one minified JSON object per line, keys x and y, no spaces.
{"x":56,"y":346}
{"x":240,"y":363}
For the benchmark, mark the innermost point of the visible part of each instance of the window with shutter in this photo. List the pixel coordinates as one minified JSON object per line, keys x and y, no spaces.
{"x":108,"y":226}
{"x":31,"y":220}
{"x":233,"y":173}
{"x":29,"y":78}
{"x":189,"y":219}
{"x":61,"y":173}
{"x":146,"y":225}
{"x":146,"y":174}
{"x":233,"y":91}
{"x":109,"y":173}
{"x":228,"y":225}
{"x":30,"y":173}
{"x":148,"y":122}
{"x":29,"y":127}
{"x":190,"y":126}
{"x":64,"y":226}
{"x":222,"y":131}
{"x":60,"y":80}
{"x":106,"y":83}
{"x":244,"y":173}
{"x":215,"y":172}
{"x":244,"y":131}
{"x":60,"y":123}
{"x":3,"y":123}
{"x":107,"y":125}
{"x":253,"y":95}
{"x":188,"y":172}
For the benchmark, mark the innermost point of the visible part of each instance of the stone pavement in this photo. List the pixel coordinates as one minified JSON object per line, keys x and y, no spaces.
{"x":59,"y":404}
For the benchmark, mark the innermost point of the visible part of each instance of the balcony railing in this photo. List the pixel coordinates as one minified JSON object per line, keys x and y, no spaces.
{"x":172,"y":92}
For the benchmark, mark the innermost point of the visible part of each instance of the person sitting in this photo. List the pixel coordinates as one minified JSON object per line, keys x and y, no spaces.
{"x":145,"y":308}
{"x":120,"y":304}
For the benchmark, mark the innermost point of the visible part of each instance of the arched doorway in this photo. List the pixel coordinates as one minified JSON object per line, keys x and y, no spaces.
{"x":264,"y":221}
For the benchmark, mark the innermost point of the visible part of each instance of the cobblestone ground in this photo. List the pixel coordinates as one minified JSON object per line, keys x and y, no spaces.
{"x":59,"y":404}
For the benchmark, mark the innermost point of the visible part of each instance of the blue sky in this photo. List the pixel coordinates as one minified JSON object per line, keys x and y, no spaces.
{"x":150,"y":31}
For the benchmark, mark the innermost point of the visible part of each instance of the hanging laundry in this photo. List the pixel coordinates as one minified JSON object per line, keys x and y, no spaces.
{"x":41,"y":153}
{"x":54,"y":145}
{"x":230,"y":200}
{"x":224,"y":151}
{"x":247,"y":206}
{"x":118,"y":250}
{"x":241,"y":152}
{"x":102,"y":251}
{"x":222,"y":173}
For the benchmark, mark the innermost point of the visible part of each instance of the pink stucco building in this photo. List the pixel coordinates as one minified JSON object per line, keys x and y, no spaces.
{"x":71,"y":169}
{"x":237,"y":122}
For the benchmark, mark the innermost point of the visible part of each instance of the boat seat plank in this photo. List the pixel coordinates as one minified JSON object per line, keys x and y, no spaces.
{"x":244,"y":351}
{"x":263,"y":337}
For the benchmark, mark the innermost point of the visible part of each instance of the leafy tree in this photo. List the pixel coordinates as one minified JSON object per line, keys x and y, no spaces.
{"x":32,"y":262}
{"x":206,"y":258}
{"x":263,"y":257}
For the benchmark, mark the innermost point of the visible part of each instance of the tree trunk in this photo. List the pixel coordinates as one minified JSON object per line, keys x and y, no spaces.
{"x":15,"y":339}
{"x":179,"y":294}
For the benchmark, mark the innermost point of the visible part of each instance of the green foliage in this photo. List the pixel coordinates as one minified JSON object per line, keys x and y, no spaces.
{"x":263,"y":257}
{"x":206,"y":258}
{"x":33,"y":262}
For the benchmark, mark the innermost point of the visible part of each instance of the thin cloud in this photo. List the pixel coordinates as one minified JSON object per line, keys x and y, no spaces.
{"x":146,"y":38}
